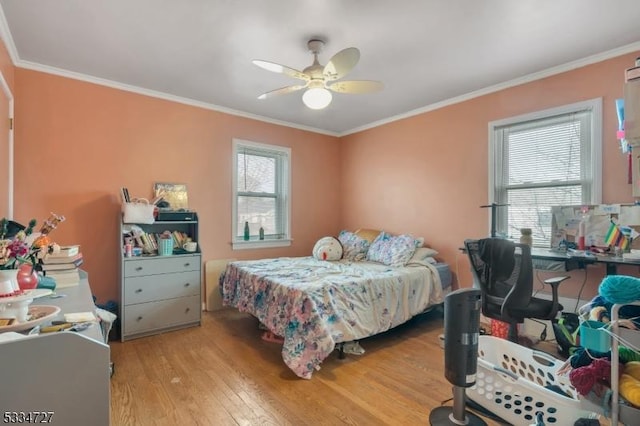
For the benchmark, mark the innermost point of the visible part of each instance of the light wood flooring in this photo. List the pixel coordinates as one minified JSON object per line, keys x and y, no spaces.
{"x":222,"y":373}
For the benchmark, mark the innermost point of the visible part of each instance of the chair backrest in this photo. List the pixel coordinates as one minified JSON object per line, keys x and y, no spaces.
{"x":504,"y":271}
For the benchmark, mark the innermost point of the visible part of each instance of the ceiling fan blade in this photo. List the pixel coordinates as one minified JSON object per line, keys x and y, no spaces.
{"x":341,"y":63}
{"x":356,"y":86}
{"x":281,"y":69}
{"x":282,"y":91}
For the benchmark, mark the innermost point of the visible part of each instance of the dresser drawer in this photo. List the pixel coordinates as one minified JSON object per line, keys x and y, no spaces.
{"x":161,"y":314}
{"x":160,"y":287}
{"x":161,"y":265}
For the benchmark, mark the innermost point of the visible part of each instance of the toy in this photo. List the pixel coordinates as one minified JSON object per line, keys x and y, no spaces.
{"x":327,"y":248}
{"x":629,"y":384}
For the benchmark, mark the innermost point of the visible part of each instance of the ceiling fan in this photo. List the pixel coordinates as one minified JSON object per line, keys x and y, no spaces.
{"x":321,"y":80}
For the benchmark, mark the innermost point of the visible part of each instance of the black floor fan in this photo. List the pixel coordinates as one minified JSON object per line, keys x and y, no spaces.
{"x":461,"y":333}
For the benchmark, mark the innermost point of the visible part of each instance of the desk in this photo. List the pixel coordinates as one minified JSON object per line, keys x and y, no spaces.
{"x":578,"y":262}
{"x":75,"y":299}
{"x":66,"y":373}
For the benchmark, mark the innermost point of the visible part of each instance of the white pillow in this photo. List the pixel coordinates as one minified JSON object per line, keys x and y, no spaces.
{"x":422,"y":253}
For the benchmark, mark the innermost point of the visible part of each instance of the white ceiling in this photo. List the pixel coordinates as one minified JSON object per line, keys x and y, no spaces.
{"x":428,"y":53}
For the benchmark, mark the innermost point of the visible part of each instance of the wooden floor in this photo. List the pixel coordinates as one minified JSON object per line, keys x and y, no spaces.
{"x":222,"y":373}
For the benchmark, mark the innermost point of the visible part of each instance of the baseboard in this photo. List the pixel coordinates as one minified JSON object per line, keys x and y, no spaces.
{"x":213,"y":269}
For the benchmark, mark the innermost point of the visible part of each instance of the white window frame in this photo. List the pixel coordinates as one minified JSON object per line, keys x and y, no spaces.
{"x":283,"y":189}
{"x":591,"y":164}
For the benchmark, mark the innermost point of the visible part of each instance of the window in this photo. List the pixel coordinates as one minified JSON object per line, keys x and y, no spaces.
{"x":261,"y":176}
{"x":544,"y":159}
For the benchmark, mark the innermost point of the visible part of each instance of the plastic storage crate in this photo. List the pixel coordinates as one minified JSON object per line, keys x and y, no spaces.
{"x":513,"y":383}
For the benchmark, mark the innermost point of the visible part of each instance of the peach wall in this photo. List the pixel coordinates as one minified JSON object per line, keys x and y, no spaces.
{"x":6,"y":66}
{"x":77,"y":143}
{"x":428,"y":174}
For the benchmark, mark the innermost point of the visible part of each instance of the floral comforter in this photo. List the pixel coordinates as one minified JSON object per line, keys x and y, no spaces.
{"x":315,"y":304}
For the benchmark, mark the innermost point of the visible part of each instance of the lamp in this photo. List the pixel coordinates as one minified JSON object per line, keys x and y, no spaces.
{"x":317,"y":98}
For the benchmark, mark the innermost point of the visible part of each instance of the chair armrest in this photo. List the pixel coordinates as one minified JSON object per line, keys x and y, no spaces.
{"x":555,"y":280}
{"x":554,"y":283}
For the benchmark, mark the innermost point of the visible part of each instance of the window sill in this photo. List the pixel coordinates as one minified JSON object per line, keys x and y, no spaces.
{"x":257,"y":244}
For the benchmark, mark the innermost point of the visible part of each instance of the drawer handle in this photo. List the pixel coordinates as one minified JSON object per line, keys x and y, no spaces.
{"x":186,"y":311}
{"x":139,"y":290}
{"x":138,"y":268}
{"x":187,"y":284}
{"x":186,"y":265}
{"x":139,"y":319}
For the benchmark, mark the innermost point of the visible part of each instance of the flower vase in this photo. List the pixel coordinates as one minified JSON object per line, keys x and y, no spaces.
{"x":27,"y":277}
{"x":10,"y":275}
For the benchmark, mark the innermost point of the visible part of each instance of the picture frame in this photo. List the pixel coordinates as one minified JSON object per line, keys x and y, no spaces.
{"x":173,"y":193}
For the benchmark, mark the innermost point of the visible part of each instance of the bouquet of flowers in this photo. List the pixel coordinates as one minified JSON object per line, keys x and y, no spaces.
{"x":20,"y":245}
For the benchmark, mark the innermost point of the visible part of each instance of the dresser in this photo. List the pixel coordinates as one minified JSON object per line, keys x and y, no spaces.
{"x":160,"y":293}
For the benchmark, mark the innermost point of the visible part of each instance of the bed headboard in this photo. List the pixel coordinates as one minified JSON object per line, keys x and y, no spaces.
{"x":367,"y":234}
{"x":212,"y":271}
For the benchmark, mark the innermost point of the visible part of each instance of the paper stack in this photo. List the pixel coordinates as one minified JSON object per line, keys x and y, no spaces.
{"x":63,"y":266}
{"x":633,"y":255}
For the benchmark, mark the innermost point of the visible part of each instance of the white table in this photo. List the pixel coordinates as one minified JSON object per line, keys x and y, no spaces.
{"x":63,"y":375}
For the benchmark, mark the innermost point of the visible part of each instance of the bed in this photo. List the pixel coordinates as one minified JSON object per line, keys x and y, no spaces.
{"x":317,"y":304}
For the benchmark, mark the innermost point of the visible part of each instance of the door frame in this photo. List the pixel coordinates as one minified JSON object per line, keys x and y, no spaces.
{"x":9,"y":95}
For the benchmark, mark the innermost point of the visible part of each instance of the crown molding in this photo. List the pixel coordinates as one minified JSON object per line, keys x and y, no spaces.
{"x":5,"y":35}
{"x":569,"y":66}
{"x":160,"y":95}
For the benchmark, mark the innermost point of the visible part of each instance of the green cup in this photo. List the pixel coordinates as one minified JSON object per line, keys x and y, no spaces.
{"x":165,"y":246}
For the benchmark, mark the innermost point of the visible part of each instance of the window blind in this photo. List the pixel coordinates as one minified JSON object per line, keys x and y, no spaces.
{"x":261,"y":192}
{"x":542,"y":163}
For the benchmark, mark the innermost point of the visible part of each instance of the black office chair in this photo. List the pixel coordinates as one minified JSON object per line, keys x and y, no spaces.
{"x":504,"y":271}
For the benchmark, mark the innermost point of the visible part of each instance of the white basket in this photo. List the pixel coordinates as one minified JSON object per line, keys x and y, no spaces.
{"x":512,"y":381}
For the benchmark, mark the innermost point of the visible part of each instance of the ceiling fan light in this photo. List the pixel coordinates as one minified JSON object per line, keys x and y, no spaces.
{"x":317,"y":98}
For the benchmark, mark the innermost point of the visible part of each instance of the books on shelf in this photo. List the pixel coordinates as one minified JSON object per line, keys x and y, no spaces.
{"x":148,"y":241}
{"x":179,"y":238}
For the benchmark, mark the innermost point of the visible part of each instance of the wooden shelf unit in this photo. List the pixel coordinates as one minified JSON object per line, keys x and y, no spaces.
{"x":160,"y":293}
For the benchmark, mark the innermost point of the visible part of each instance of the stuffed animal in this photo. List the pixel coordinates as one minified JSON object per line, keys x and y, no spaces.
{"x":327,"y":248}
